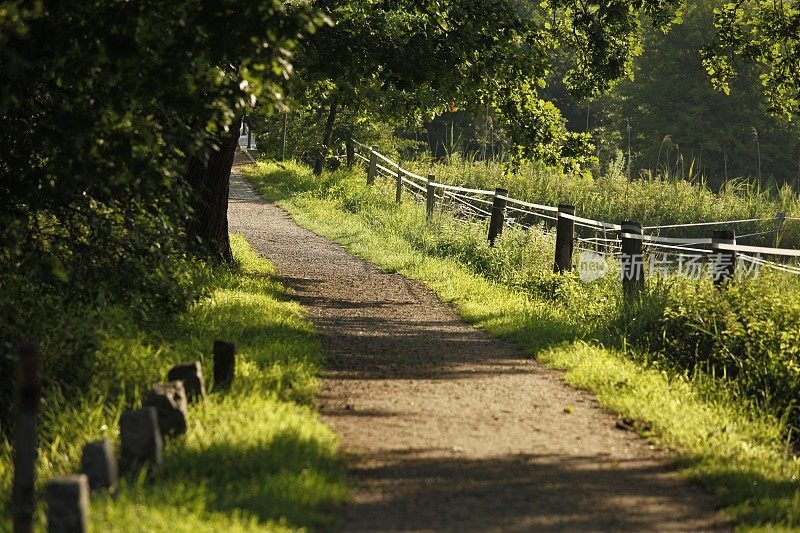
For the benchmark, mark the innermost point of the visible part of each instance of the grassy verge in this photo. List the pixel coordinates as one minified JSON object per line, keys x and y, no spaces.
{"x":254,"y":458}
{"x":735,"y":447}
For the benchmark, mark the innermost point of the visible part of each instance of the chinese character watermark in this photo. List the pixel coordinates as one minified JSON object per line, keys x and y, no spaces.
{"x":593,"y":266}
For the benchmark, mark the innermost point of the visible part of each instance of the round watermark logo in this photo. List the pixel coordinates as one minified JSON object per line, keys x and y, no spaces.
{"x":591,"y":266}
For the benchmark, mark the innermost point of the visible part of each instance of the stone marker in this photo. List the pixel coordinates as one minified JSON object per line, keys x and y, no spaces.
{"x":140,"y":438}
{"x":224,"y":364}
{"x":99,"y":465}
{"x":169,"y":399}
{"x":67,"y":504}
{"x":192,"y":376}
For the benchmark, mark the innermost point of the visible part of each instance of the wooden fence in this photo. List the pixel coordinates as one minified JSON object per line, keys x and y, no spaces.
{"x":627,"y":241}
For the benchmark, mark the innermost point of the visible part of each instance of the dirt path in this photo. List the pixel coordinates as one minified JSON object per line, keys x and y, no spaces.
{"x":448,"y":428}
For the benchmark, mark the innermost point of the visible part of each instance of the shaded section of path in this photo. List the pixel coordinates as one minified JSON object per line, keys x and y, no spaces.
{"x":448,"y":428}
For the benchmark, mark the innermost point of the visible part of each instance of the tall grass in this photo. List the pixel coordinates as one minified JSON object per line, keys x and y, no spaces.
{"x":652,"y":201}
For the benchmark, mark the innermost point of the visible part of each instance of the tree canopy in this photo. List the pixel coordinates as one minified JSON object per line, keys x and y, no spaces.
{"x":765,"y":33}
{"x":101,"y":105}
{"x":400,"y":58}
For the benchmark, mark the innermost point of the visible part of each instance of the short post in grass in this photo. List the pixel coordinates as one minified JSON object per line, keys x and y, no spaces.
{"x":27,"y":400}
{"x":191,"y":374}
{"x":224,"y":364}
{"x":68,"y":504}
{"x":724,"y":265}
{"x":172,"y":410}
{"x":498,"y":214}
{"x":140,"y":439}
{"x":398,"y":190}
{"x":99,"y":465}
{"x":632,"y":260}
{"x":780,"y":217}
{"x":565,"y":239}
{"x":372,"y":169}
{"x":430,"y":197}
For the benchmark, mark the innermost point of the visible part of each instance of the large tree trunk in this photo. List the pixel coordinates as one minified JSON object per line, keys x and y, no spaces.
{"x":326,"y":136}
{"x":207,"y":229}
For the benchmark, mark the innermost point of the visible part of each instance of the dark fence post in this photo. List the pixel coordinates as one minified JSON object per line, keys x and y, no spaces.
{"x":498,"y":214}
{"x":373,"y":165}
{"x":27,"y":400}
{"x":632,"y":265}
{"x":430,"y":197}
{"x":224,"y":364}
{"x":68,"y":504}
{"x":780,"y":217}
{"x":565,"y":238}
{"x":724,"y":265}
{"x":398,"y":193}
{"x":350,"y":150}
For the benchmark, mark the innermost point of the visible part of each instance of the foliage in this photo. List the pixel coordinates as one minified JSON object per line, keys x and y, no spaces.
{"x":404,"y":61}
{"x":675,"y":123}
{"x":748,"y":333}
{"x":764,"y":33}
{"x":254,"y":458}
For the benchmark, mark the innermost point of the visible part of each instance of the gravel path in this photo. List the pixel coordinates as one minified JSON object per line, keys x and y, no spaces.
{"x":449,"y":428}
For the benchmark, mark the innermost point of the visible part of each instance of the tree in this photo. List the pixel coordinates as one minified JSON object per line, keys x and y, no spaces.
{"x":709,"y":132}
{"x":105,"y":104}
{"x":401,"y":58}
{"x":765,"y":33}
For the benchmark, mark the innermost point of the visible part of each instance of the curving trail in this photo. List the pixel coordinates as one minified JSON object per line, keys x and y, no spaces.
{"x":448,"y":428}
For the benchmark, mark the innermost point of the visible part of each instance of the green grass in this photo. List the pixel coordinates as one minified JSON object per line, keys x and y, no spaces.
{"x":734,"y":445}
{"x":254,"y":458}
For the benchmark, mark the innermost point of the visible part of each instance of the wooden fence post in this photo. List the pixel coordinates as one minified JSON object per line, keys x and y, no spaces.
{"x":430,"y":197}
{"x":724,"y":266}
{"x":398,"y":193}
{"x":68,"y":504}
{"x":224,"y":364}
{"x":27,"y":400}
{"x":372,"y":169}
{"x":350,"y":150}
{"x":565,"y":238}
{"x":632,"y":258}
{"x":498,"y":214}
{"x":780,"y":217}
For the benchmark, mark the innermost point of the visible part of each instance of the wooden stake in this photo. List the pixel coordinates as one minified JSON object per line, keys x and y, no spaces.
{"x":23,"y":501}
{"x":565,"y":239}
{"x":430,"y":197}
{"x":632,"y":258}
{"x":498,"y":214}
{"x":372,"y":169}
{"x":780,"y":217}
{"x":398,"y":193}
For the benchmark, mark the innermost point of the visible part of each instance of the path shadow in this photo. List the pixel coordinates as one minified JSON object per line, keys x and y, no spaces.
{"x":526,"y":492}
